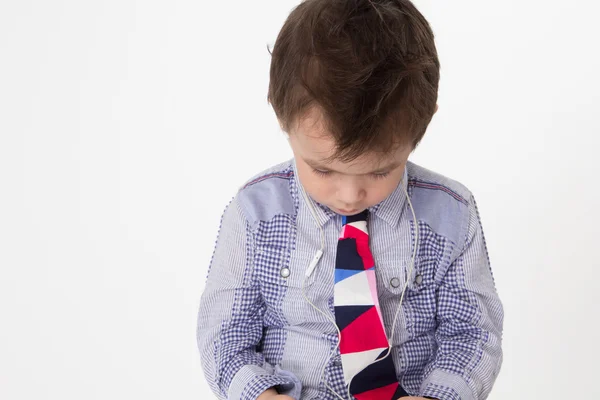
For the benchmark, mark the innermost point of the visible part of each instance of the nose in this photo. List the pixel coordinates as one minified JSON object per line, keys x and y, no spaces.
{"x":350,"y":194}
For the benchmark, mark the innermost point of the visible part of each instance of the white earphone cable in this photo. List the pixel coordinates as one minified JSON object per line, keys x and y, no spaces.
{"x":313,"y":265}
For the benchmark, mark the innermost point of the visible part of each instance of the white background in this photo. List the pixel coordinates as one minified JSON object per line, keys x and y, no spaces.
{"x":126,"y":127}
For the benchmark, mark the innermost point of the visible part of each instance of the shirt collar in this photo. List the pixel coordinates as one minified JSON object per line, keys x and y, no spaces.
{"x":388,"y":210}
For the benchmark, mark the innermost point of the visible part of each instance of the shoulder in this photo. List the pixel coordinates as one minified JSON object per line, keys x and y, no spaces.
{"x":423,"y":179}
{"x":268,"y":193}
{"x":443,"y":203}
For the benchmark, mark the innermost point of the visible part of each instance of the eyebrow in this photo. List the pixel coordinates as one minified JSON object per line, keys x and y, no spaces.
{"x":318,"y":165}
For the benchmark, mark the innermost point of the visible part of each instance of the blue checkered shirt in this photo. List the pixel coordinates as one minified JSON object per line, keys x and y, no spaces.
{"x":256,"y":330}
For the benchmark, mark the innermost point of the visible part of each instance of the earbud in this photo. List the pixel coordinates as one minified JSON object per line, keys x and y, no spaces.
{"x":314,"y":263}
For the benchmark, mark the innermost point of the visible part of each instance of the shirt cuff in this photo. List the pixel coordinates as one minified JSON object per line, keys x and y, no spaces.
{"x":251,"y":381}
{"x":443,"y":385}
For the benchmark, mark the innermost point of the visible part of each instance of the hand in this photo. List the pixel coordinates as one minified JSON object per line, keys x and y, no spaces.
{"x":271,"y":394}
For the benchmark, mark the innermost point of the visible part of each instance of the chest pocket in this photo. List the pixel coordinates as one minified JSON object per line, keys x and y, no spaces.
{"x":420,"y":302}
{"x":282,"y":268}
{"x":280,"y":274}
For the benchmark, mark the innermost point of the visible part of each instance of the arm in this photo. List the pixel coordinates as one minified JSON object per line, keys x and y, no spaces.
{"x":230,"y":318}
{"x":470,"y":319}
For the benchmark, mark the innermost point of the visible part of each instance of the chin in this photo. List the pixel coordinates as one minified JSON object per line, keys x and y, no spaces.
{"x":347,"y":213}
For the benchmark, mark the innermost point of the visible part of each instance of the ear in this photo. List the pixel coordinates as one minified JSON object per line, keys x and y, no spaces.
{"x":436,"y":108}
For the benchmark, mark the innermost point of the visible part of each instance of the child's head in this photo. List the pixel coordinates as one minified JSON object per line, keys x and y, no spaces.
{"x":354,"y":83}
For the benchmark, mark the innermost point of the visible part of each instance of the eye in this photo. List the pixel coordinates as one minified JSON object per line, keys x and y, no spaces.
{"x":322,"y":173}
{"x":380,"y":175}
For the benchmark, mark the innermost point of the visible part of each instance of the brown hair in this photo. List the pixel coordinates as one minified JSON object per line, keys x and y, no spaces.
{"x":369,"y":66}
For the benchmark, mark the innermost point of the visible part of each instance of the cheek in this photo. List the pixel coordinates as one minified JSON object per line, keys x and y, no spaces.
{"x":314,"y":185}
{"x":382,"y":190}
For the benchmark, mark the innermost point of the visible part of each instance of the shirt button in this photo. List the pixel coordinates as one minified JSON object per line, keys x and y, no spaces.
{"x":285,"y":272}
{"x":395,"y":282}
{"x":419,"y":279}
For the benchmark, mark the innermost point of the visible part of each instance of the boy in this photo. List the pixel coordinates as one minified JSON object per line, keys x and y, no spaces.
{"x":349,"y":271}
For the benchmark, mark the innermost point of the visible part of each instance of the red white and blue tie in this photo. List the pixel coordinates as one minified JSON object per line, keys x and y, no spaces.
{"x":359,"y":318}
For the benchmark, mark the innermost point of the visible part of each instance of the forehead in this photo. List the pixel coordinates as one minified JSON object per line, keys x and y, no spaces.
{"x":321,"y":152}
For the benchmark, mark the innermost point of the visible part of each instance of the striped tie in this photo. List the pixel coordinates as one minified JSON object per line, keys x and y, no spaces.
{"x":358,"y":316}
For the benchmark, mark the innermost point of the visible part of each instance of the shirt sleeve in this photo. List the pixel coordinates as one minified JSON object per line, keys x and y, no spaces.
{"x":469,"y":324}
{"x":230,"y":319}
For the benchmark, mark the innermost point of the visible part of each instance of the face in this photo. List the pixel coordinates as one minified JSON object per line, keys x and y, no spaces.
{"x":346,"y":188}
